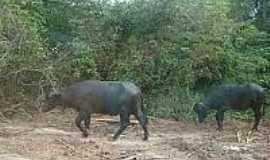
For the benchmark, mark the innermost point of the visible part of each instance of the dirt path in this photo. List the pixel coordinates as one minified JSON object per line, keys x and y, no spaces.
{"x":53,"y":136}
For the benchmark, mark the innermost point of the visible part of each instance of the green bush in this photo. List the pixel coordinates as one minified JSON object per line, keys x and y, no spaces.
{"x":172,"y":49}
{"x":173,"y":102}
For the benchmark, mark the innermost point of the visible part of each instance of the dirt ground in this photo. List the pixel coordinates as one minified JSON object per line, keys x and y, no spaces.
{"x":53,"y":136}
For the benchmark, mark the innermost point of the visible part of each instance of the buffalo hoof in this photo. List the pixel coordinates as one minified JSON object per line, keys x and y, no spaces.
{"x":112,"y":139}
{"x":219,"y":129}
{"x":255,"y":130}
{"x":145,"y":138}
{"x":85,"y":134}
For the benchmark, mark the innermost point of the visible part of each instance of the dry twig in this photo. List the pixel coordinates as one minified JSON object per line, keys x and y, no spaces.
{"x":132,"y":122}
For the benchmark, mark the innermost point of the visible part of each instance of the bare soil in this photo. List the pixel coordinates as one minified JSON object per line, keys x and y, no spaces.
{"x":53,"y":136}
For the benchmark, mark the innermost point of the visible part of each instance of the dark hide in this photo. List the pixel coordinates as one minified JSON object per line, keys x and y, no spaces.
{"x":235,"y":97}
{"x":104,"y":97}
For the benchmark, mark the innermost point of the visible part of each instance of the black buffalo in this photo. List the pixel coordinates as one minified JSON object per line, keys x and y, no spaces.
{"x":105,"y":97}
{"x":236,"y":97}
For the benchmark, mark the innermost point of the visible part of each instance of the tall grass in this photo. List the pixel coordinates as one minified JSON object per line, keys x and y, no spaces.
{"x":176,"y":103}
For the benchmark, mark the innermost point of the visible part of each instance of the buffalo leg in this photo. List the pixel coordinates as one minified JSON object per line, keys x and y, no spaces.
{"x":257,"y":118}
{"x":219,"y":119}
{"x":124,"y":122}
{"x":143,"y":122}
{"x":87,"y":121}
{"x":81,"y":117}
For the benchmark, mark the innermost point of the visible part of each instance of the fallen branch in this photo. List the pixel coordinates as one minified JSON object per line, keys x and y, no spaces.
{"x":130,"y":158}
{"x":126,"y":156}
{"x":19,"y":133}
{"x":132,"y":122}
{"x":7,"y":132}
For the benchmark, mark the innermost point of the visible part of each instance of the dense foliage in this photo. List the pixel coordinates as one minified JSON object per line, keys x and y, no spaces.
{"x":172,"y":49}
